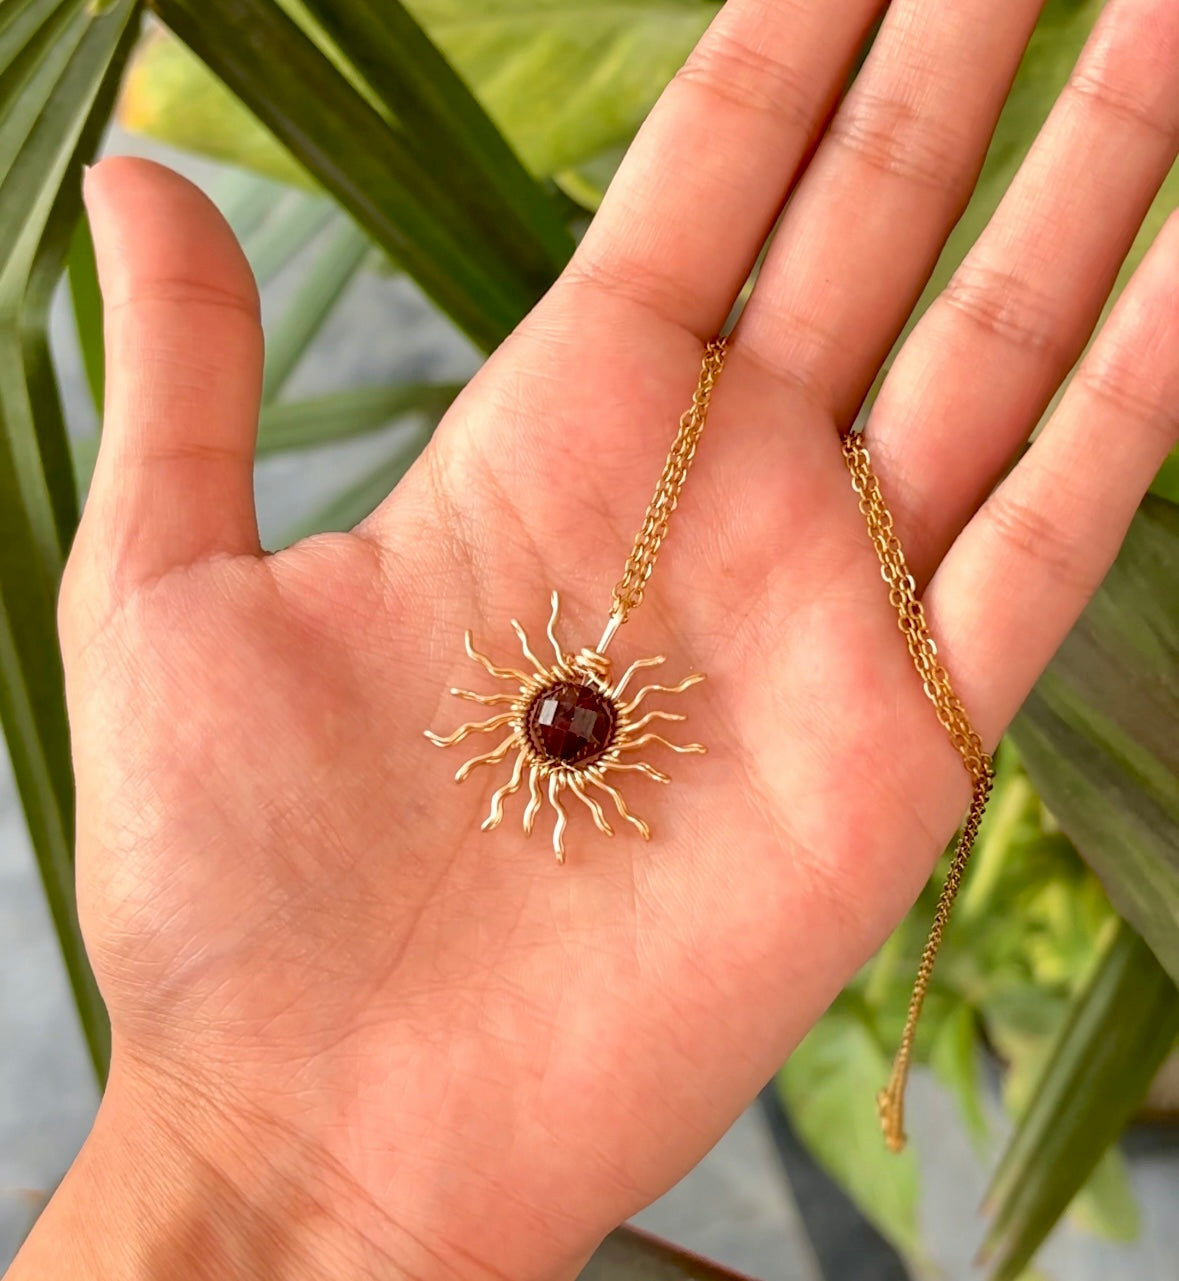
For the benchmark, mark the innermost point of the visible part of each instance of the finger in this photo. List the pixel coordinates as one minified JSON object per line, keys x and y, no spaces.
{"x":685,"y":217}
{"x":174,"y":479}
{"x":1020,"y":573}
{"x":890,"y":178}
{"x":985,"y":361}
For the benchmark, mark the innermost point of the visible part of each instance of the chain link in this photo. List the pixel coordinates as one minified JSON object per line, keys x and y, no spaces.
{"x":902,"y":594}
{"x":628,"y":595}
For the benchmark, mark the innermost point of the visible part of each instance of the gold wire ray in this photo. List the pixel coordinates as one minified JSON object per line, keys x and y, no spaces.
{"x":694,"y":679}
{"x":488,"y":700}
{"x":639,"y":767}
{"x":562,"y":818}
{"x":489,"y":758}
{"x":628,"y":595}
{"x":535,"y":800}
{"x":577,"y":787}
{"x":654,"y":716}
{"x":697,"y":749}
{"x":527,"y":648}
{"x":496,"y":815}
{"x":589,"y":667}
{"x":620,"y":805}
{"x":625,"y":678}
{"x":551,"y":629}
{"x":500,"y":673}
{"x":471,"y":727}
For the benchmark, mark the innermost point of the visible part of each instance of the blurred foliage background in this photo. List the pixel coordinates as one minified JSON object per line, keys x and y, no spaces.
{"x":466,"y":143}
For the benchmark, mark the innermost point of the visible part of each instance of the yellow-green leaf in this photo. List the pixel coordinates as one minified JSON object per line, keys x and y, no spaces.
{"x":829,"y":1088}
{"x":1097,"y":734}
{"x":564,"y":81}
{"x":954,"y":1058}
{"x":1117,"y":1032}
{"x":1106,"y":1206}
{"x":60,"y":63}
{"x":169,"y":94}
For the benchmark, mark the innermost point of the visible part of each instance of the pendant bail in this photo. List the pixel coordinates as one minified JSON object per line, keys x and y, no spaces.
{"x":613,"y":624}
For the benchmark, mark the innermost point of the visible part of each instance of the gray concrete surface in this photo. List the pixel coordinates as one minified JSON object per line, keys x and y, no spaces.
{"x":954,"y":1180}
{"x":47,"y":1090}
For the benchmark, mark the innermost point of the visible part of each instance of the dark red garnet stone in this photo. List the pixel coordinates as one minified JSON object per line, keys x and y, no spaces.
{"x":571,"y":723}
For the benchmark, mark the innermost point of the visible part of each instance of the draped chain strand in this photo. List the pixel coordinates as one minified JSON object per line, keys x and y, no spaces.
{"x":628,"y":594}
{"x":902,"y":595}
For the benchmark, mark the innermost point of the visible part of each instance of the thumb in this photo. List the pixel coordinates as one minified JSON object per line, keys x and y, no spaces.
{"x":174,"y":479}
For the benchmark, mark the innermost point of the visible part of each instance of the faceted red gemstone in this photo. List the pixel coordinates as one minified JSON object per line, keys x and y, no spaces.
{"x":571,"y":723}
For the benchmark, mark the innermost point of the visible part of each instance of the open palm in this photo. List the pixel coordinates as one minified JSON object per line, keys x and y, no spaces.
{"x":321,"y":974}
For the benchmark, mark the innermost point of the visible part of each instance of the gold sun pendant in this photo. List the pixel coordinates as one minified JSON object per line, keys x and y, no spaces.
{"x":570,"y":729}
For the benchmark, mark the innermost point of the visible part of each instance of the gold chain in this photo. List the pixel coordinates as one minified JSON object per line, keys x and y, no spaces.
{"x":628,"y":594}
{"x":902,"y":593}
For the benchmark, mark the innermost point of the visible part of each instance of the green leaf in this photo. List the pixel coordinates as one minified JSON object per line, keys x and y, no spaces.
{"x":1011,"y":822}
{"x":1105,"y":1206}
{"x":566,"y":79}
{"x":483,"y":245}
{"x":292,"y":227}
{"x":629,"y":1255}
{"x":1119,"y":1029}
{"x":322,"y":420}
{"x":86,"y":298}
{"x":586,"y":183}
{"x":361,"y":498}
{"x":954,"y":1058}
{"x":83,"y":456}
{"x":1166,"y":483}
{"x":568,"y":83}
{"x":344,"y":415}
{"x":320,"y":290}
{"x":60,"y":61}
{"x":1097,"y":734}
{"x":829,"y":1087}
{"x":405,"y":74}
{"x":169,"y":94}
{"x":245,"y":199}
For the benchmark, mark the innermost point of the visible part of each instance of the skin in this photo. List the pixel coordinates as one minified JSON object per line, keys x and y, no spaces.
{"x":352,"y":1034}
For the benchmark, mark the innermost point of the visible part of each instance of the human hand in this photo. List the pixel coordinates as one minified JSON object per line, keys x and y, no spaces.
{"x":374,"y":1038}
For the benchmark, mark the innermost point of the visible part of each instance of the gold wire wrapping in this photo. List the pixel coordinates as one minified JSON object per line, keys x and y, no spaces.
{"x":592,"y":666}
{"x":902,"y":594}
{"x":630,"y":731}
{"x":591,"y":670}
